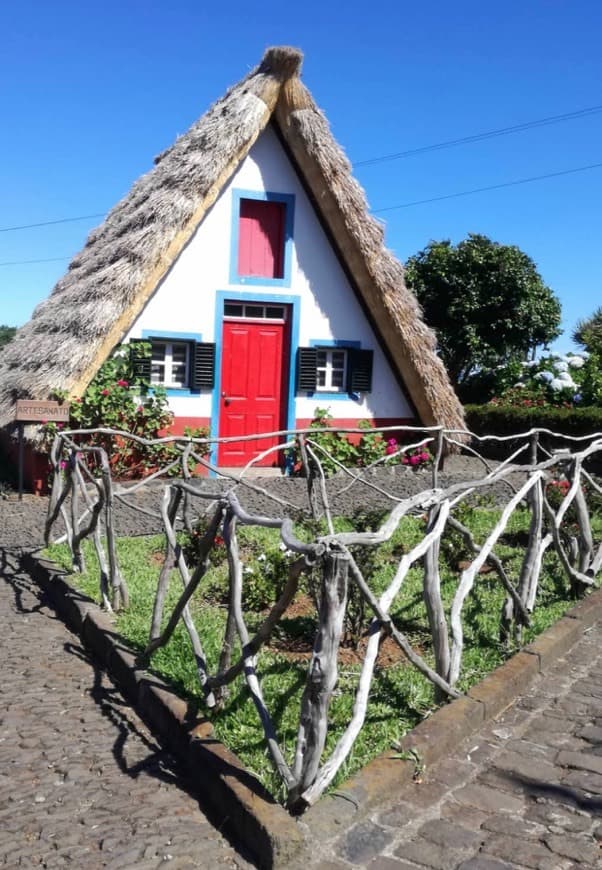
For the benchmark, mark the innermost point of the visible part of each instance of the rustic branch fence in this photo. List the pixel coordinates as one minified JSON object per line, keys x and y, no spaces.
{"x":84,"y":495}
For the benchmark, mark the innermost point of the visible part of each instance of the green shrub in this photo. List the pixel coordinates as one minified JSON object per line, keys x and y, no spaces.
{"x":512,"y":420}
{"x":265,"y":563}
{"x":118,"y":398}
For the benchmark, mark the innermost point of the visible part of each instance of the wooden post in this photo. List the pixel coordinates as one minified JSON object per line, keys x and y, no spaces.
{"x":322,"y":674}
{"x":21,"y":460}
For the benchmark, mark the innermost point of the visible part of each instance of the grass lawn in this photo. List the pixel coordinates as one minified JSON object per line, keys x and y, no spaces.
{"x":400,"y":696}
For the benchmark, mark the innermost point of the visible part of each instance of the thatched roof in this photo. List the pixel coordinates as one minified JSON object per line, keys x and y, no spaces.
{"x":108,"y":283}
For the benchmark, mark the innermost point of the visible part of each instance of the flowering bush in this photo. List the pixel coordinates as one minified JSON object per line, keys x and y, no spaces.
{"x":117,"y":398}
{"x":558,"y":380}
{"x":556,"y":490}
{"x":369,"y":448}
{"x":417,"y":458}
{"x":265,"y":560}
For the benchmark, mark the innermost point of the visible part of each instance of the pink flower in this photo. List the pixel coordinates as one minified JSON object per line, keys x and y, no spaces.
{"x":414,"y":460}
{"x":104,"y":392}
{"x":424,"y":457}
{"x":391,"y":447}
{"x":122,"y":383}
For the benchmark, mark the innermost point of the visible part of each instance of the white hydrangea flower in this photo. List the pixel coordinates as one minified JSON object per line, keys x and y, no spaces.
{"x":561,"y":366}
{"x":557,"y":384}
{"x":576,"y":362}
{"x":566,"y":377}
{"x":545,"y":376}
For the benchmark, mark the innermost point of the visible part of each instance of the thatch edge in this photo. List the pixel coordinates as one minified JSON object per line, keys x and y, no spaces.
{"x":376,"y":273}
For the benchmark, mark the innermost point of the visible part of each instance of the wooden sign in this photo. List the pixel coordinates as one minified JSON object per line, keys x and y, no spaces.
{"x":31,"y":411}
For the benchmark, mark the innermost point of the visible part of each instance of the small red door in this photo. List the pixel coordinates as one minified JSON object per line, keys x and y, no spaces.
{"x":254,"y":381}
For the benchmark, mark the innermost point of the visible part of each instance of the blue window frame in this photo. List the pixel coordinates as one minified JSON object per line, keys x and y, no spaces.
{"x":170,"y":339}
{"x":334,"y":369}
{"x":288,"y":199}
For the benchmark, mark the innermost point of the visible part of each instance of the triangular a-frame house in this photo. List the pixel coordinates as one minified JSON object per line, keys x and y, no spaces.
{"x":248,"y":257}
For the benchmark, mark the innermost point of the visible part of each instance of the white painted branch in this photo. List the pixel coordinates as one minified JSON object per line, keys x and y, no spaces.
{"x":170,"y":499}
{"x":332,"y":765}
{"x":276,"y":448}
{"x":495,"y":562}
{"x":323,"y":493}
{"x":235,"y":567}
{"x":322,"y":673}
{"x":586,"y":540}
{"x":267,"y":626}
{"x":531,"y":565}
{"x":576,"y":578}
{"x":199,"y":655}
{"x":468,"y":577}
{"x":433,"y":601}
{"x":386,"y":621}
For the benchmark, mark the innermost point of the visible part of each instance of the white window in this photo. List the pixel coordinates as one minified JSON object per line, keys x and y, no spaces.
{"x":254,"y":311}
{"x":170,"y":363}
{"x":331,"y":370}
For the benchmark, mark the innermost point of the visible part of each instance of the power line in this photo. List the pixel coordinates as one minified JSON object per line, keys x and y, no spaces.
{"x":26,"y":262}
{"x":519,"y":181}
{"x":67,"y":220}
{"x":501,"y":131}
{"x":489,"y":187}
{"x":479,"y":137}
{"x":460,"y":193}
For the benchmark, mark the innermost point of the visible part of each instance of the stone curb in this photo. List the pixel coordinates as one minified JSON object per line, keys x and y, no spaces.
{"x":435,"y":737}
{"x":259,"y":823}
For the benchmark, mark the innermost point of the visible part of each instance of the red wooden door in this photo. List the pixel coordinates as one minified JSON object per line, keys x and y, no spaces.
{"x":254,"y":382}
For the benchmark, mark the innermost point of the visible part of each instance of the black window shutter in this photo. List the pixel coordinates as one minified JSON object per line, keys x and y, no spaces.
{"x":141,"y":362}
{"x":203,"y":366}
{"x":306,"y":369}
{"x":359,"y":370}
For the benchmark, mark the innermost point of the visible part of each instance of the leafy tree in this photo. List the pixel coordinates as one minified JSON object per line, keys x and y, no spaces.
{"x":486,"y":302}
{"x":6,"y":334}
{"x":588,"y":332}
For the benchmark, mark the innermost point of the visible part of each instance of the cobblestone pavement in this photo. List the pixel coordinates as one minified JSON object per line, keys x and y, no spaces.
{"x":82,"y":782}
{"x":525,"y":792}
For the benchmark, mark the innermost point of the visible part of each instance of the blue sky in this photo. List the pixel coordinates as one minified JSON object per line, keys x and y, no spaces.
{"x":93,"y":91}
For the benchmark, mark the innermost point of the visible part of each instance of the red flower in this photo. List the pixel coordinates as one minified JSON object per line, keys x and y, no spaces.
{"x":104,"y":392}
{"x":122,"y":383}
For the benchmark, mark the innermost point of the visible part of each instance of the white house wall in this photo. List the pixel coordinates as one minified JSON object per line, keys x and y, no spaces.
{"x":185,"y":300}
